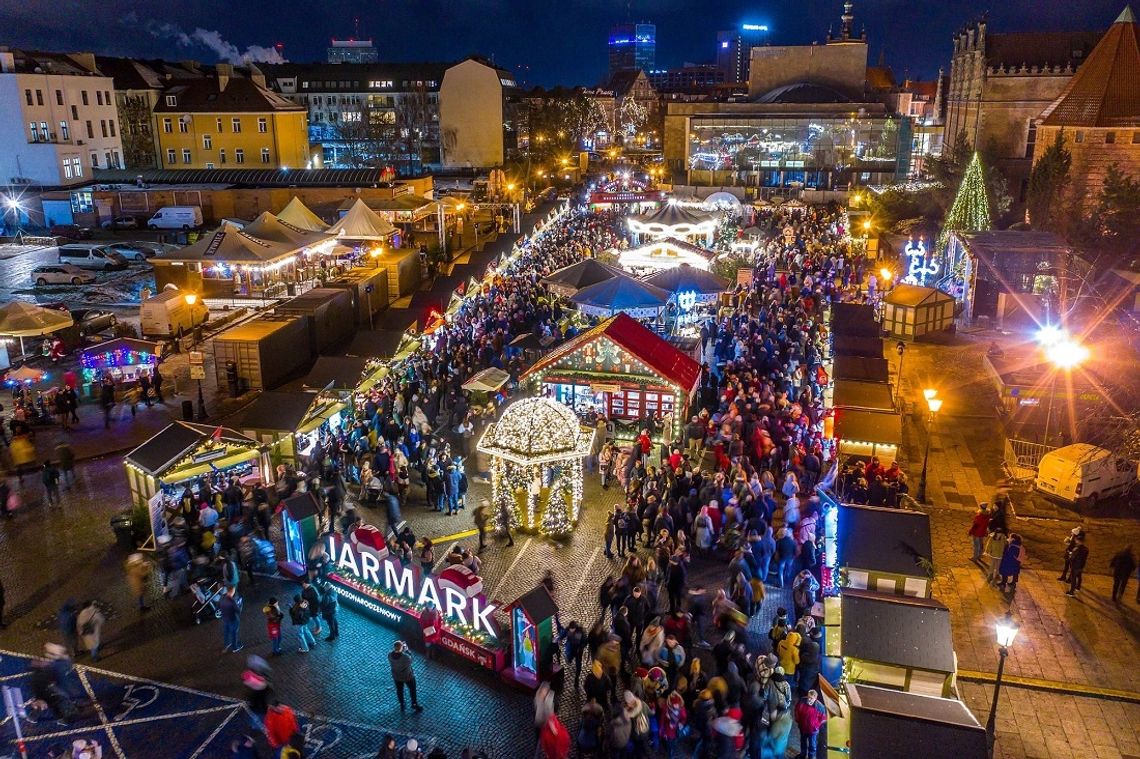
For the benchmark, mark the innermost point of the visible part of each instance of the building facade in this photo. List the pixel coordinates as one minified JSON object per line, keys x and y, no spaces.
{"x":58,"y":119}
{"x":1098,"y":114}
{"x":633,"y":46}
{"x":352,"y":51}
{"x":229,"y":121}
{"x":366,"y":114}
{"x":477,"y":115}
{"x":1000,"y":84}
{"x":734,"y":50}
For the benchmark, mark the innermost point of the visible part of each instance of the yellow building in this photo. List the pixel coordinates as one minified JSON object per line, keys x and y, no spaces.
{"x":229,"y":121}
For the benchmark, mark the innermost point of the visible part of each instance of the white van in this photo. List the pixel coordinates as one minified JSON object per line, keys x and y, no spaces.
{"x":171,"y":312}
{"x":91,"y":255}
{"x":1083,"y":474}
{"x":176,"y":217}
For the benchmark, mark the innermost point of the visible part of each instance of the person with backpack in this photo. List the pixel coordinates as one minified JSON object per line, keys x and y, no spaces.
{"x":299,"y":616}
{"x":400,"y":662}
{"x":1077,"y":562}
{"x":312,"y":597}
{"x":328,"y":608}
{"x":273,"y":618}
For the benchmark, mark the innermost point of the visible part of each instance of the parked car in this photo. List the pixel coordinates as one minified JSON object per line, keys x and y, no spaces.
{"x":138,"y":252}
{"x":70,"y":231}
{"x":92,"y":321}
{"x":121,"y":222}
{"x":61,"y":274}
{"x":91,"y":255}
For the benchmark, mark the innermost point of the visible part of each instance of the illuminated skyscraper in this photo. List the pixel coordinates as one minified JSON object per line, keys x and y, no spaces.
{"x":633,"y":46}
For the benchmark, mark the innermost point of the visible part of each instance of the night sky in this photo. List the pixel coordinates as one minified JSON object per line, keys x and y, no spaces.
{"x":545,"y":41}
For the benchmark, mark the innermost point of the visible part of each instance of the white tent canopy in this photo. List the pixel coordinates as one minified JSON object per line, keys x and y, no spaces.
{"x":275,"y":229}
{"x":362,"y":223}
{"x":299,"y":215}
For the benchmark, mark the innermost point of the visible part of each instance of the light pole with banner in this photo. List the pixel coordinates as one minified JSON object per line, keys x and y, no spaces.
{"x":198,"y":372}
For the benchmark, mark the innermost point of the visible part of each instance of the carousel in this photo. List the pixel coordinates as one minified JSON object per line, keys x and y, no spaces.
{"x":536,"y":450}
{"x":674,"y":220}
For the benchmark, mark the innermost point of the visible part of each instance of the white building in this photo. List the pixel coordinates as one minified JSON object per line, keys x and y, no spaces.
{"x":58,"y":119}
{"x":477,"y":123}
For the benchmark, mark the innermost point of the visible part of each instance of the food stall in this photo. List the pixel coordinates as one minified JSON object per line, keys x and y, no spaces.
{"x":884,"y":550}
{"x":622,"y":370}
{"x":123,"y":358}
{"x":288,"y":424}
{"x":533,"y":638}
{"x":191,"y":455}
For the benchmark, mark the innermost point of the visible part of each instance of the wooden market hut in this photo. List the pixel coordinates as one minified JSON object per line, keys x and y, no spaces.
{"x":868,"y":433}
{"x":280,"y":420}
{"x":533,"y":637}
{"x":885,"y":550}
{"x":860,"y":369}
{"x":228,"y":262}
{"x":887,"y":722}
{"x":622,"y":369}
{"x":911,"y":312}
{"x":866,"y":396}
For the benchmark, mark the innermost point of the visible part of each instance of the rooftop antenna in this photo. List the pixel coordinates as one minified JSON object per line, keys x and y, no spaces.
{"x":356,"y":27}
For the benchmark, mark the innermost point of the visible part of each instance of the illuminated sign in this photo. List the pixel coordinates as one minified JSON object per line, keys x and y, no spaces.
{"x":687,"y":300}
{"x":919,"y":268}
{"x":754,"y":27}
{"x":365,"y":574}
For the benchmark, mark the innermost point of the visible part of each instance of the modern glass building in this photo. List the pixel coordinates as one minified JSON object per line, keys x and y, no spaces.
{"x":633,"y":46}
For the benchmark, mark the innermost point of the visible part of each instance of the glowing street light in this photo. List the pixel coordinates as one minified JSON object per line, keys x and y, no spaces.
{"x":1005,"y":629}
{"x":886,"y":275}
{"x":934,"y":404}
{"x":1067,"y":353}
{"x":191,"y":299}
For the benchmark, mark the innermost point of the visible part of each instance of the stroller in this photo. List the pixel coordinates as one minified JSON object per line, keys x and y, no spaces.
{"x":206,"y":595}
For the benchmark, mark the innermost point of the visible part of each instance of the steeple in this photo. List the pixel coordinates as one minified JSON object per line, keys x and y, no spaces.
{"x":847,"y":18}
{"x":1126,"y":16}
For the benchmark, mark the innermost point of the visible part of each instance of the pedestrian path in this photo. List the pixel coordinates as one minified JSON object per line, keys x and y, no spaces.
{"x":130,"y":716}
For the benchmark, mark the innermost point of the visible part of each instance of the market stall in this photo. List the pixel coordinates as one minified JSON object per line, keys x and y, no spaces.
{"x":665,"y":253}
{"x":534,"y":639}
{"x":123,"y":359}
{"x":888,"y":722}
{"x":674,"y":220}
{"x":867,"y":434}
{"x":20,"y":319}
{"x":623,"y":371}
{"x":568,"y":280}
{"x":195,"y":456}
{"x":536,"y":449}
{"x":621,"y":294}
{"x":911,"y":312}
{"x":297,"y":214}
{"x":289,"y":424}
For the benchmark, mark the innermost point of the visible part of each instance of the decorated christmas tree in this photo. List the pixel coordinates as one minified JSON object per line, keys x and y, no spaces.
{"x":970,"y":211}
{"x":556,"y":519}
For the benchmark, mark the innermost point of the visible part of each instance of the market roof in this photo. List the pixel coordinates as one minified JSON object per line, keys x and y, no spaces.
{"x":879,"y":539}
{"x":19,"y":318}
{"x":538,"y":604}
{"x":258,"y":328}
{"x":343,"y":372}
{"x":242,"y":177}
{"x":995,"y":243}
{"x":686,"y":278}
{"x":870,"y":396}
{"x":164,"y":449}
{"x":228,"y":244}
{"x":632,"y":336}
{"x":861,"y":368}
{"x":804,"y":92}
{"x":900,"y":630}
{"x":537,"y":430}
{"x":912,"y":296}
{"x":570,"y":279}
{"x":274,"y":229}
{"x":888,"y":722}
{"x":672,"y":214}
{"x":858,"y":345}
{"x":362,"y":223}
{"x":488,"y":380}
{"x":621,"y":292}
{"x":406,"y":202}
{"x":1105,"y":91}
{"x":379,"y":343}
{"x":852,"y":312}
{"x":302,"y":506}
{"x":278,"y":410}
{"x":858,"y":426}
{"x":298,"y":215}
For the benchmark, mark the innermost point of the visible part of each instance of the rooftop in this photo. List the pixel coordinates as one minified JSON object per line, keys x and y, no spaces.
{"x":238,"y":95}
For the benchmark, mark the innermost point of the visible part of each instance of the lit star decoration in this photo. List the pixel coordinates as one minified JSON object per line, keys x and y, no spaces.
{"x":918,"y":268}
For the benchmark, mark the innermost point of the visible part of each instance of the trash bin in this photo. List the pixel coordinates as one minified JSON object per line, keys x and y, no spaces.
{"x":187,"y":411}
{"x":122,"y":525}
{"x":232,"y":379}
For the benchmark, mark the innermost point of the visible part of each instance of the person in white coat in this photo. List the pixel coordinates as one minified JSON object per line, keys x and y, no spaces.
{"x":89,"y":625}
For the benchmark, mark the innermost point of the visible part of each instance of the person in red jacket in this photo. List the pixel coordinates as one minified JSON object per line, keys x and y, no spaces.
{"x":978,"y":530}
{"x":554,"y":739}
{"x":431,"y":623}
{"x":810,"y":716}
{"x":280,"y":725}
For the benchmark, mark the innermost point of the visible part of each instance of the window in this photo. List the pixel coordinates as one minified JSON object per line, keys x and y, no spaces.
{"x":107,"y":155}
{"x":1110,"y":138}
{"x":67,"y":168}
{"x":168,"y":125}
{"x":239,"y":156}
{"x":186,"y":157}
{"x":34,"y":128}
{"x":64,"y":131}
{"x":220,"y":130}
{"x":118,"y":163}
{"x":210,"y":165}
{"x":171,"y":156}
{"x":103,"y":127}
{"x":74,"y":113}
{"x":184,"y":125}
{"x":90,"y":131}
{"x":84,"y":96}
{"x":99,"y":97}
{"x":45,"y":130}
{"x":28,"y":97}
{"x":304,"y":85}
{"x":1031,"y":138}
{"x":236,"y":125}
{"x":262,"y":125}
{"x":1136,"y":137}
{"x":207,"y":142}
{"x":94,"y":160}
{"x":111,"y":124}
{"x":77,"y":166}
{"x":172,"y":100}
{"x":59,"y":97}
{"x":39,"y":97}
{"x":265,"y":155}
{"x":222,"y":156}
{"x":1080,"y":137}
{"x":107,"y":97}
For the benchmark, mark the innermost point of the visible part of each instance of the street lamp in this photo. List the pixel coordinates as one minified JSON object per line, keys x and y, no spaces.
{"x":1005,"y":630}
{"x":191,"y":299}
{"x":934,"y":404}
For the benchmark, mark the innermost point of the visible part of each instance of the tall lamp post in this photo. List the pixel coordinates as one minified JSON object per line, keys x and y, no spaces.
{"x":1006,"y":630}
{"x":934,"y":404}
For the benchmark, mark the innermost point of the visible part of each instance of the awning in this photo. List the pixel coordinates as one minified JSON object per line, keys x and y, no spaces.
{"x":489,"y":380}
{"x":321,"y":415}
{"x":197,"y":470}
{"x":876,"y":427}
